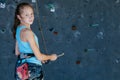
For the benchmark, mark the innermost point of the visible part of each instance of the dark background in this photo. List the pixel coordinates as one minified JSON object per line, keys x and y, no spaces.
{"x":87,"y":31}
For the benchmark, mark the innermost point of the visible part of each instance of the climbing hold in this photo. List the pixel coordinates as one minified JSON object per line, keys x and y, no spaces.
{"x":74,"y":27}
{"x":51,"y":29}
{"x":51,"y":7}
{"x":78,"y":62}
{"x":2,"y":5}
{"x":55,"y":32}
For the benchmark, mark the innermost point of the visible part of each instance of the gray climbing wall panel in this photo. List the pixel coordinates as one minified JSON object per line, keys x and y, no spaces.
{"x":87,"y":31}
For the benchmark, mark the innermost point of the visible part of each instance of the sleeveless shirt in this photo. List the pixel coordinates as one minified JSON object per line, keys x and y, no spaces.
{"x":24,"y":47}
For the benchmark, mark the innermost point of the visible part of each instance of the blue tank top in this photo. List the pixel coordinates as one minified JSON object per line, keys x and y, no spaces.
{"x":24,"y":47}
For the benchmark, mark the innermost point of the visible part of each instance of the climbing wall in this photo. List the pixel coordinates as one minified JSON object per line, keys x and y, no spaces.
{"x":86,"y":31}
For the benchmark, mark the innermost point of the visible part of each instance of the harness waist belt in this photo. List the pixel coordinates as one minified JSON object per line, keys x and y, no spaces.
{"x":26,"y":55}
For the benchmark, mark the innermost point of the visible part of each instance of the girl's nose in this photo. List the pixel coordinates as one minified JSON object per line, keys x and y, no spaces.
{"x":30,"y":16}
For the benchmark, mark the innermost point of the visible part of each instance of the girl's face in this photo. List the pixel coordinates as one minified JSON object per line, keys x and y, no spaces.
{"x":26,"y":16}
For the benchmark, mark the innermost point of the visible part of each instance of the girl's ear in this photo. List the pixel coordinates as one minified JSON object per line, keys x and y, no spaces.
{"x":18,"y":16}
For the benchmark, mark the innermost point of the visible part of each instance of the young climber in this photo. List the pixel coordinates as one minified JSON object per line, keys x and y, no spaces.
{"x":27,"y":46}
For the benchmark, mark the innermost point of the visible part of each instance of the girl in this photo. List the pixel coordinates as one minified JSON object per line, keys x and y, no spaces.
{"x":27,"y":45}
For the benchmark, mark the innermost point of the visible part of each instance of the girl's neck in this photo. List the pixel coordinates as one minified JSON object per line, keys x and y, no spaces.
{"x":27,"y":26}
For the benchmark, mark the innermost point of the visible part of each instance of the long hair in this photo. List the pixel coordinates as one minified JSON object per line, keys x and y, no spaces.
{"x":18,"y":11}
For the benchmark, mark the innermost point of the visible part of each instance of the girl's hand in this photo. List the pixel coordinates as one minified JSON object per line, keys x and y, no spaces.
{"x":53,"y":57}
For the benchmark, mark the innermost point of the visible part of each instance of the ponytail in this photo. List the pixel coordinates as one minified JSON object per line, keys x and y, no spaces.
{"x":16,"y":23}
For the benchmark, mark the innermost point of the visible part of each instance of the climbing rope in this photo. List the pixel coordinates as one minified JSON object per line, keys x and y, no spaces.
{"x":40,"y":27}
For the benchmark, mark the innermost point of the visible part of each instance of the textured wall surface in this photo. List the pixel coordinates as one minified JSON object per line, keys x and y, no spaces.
{"x":87,"y":31}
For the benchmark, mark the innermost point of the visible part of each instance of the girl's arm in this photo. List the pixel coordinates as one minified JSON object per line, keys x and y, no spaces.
{"x":30,"y":38}
{"x":16,"y":49}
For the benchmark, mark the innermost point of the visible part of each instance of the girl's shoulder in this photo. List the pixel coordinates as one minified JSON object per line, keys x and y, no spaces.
{"x":26,"y":31}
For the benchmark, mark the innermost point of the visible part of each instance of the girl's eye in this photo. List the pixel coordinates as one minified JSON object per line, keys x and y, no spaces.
{"x":31,"y":13}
